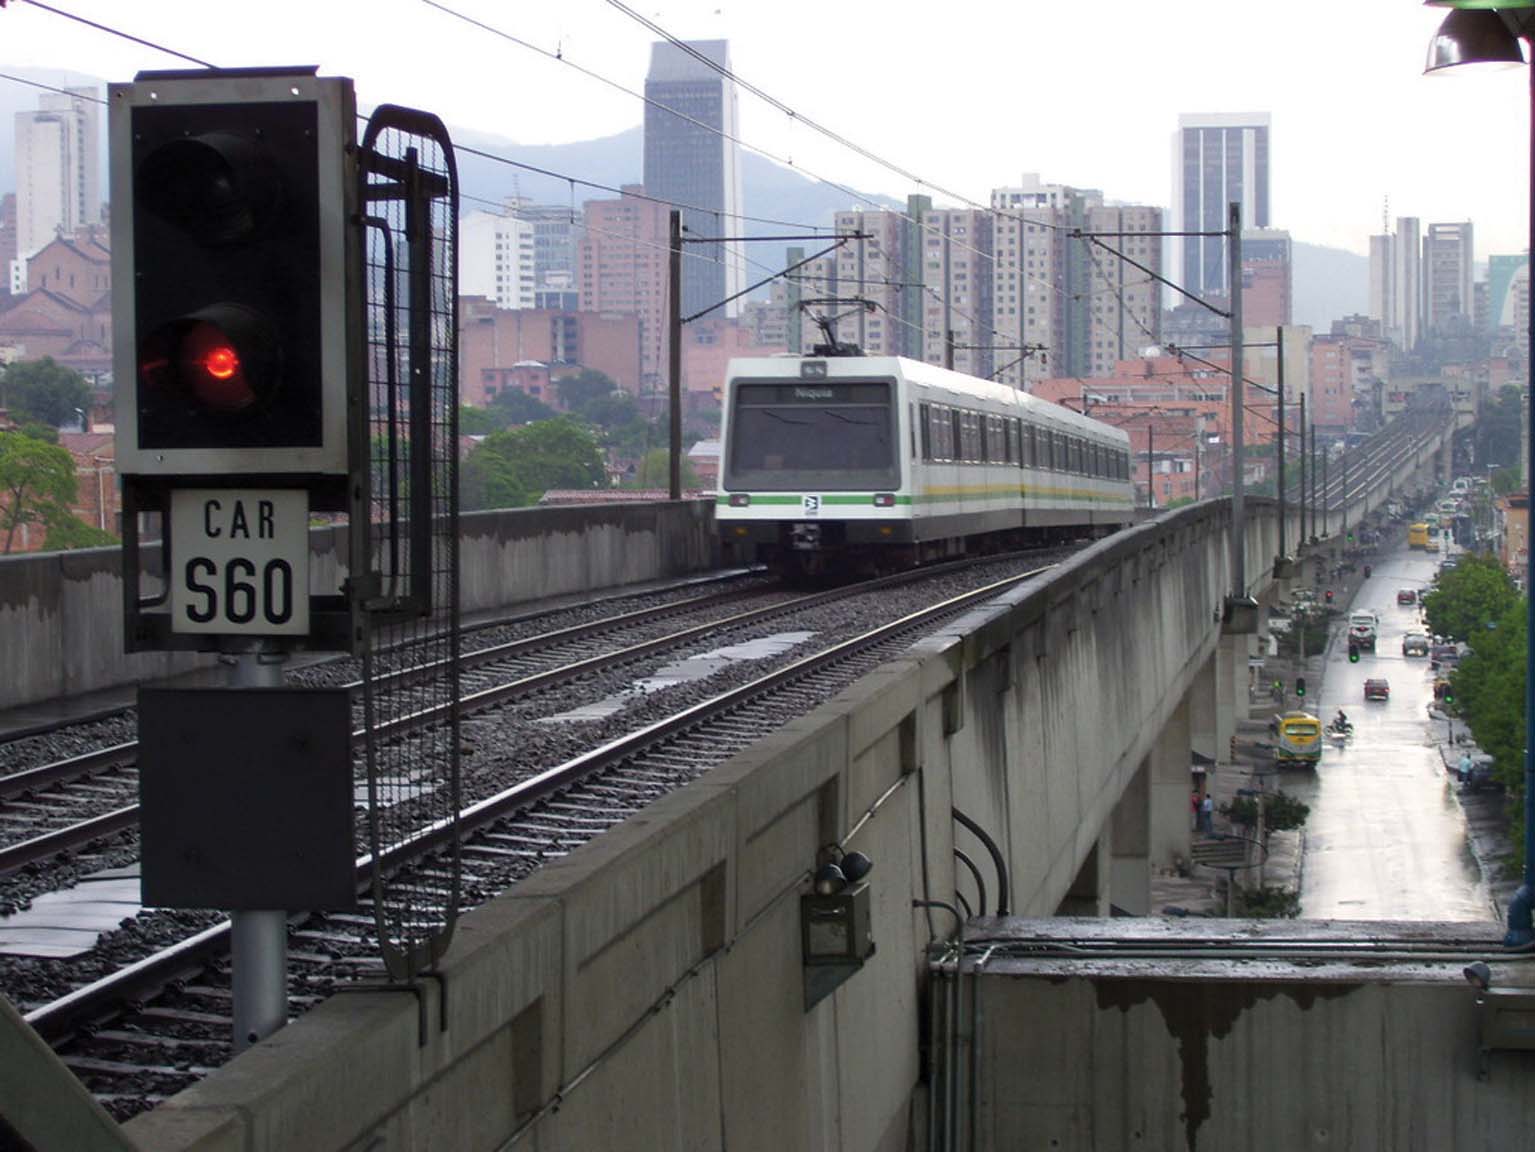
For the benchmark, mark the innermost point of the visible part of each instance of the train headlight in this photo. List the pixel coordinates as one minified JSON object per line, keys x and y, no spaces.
{"x":740,"y":500}
{"x":884,"y":500}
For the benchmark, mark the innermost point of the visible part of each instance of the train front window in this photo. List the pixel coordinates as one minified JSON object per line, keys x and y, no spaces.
{"x":794,"y":436}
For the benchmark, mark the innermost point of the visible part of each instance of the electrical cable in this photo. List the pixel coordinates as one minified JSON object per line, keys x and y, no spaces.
{"x":119,"y":32}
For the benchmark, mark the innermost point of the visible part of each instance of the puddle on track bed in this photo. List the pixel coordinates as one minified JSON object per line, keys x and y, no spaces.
{"x":686,"y":671}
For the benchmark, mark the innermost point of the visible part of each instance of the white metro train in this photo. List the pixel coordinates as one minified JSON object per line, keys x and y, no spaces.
{"x":839,"y":463}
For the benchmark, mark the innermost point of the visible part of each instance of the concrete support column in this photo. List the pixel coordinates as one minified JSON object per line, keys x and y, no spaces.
{"x":1168,"y":768}
{"x":1204,"y":732}
{"x":1130,"y":837}
{"x":1230,"y":692}
{"x":1089,"y":892}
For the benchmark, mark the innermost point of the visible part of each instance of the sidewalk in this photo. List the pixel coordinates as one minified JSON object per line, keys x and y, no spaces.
{"x":1485,"y":814}
{"x":1200,"y":890}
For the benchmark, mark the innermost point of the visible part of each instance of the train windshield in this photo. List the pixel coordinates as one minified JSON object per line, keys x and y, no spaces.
{"x":826,"y":434}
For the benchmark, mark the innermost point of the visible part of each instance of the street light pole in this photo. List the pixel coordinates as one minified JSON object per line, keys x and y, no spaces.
{"x":1303,"y":536}
{"x":1238,"y":400}
{"x":1283,"y":524}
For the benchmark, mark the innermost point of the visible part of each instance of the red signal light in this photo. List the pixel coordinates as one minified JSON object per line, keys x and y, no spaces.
{"x":222,"y":363}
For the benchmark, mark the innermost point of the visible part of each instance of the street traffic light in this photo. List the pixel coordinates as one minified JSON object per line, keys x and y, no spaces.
{"x":233,"y":272}
{"x":1353,"y":652}
{"x":1329,"y":595}
{"x":1300,"y":686}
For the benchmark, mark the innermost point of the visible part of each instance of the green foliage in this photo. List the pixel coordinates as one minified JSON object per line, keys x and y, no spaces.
{"x":1500,"y":430}
{"x":37,"y":480}
{"x":1283,"y":812}
{"x":43,"y":391}
{"x":1268,"y":902}
{"x":584,"y":389}
{"x":1505,"y":480}
{"x":514,"y":407}
{"x":655,"y":471}
{"x":44,"y":432}
{"x":1241,"y":810}
{"x":66,"y":533}
{"x":480,"y":421}
{"x":1468,"y":596}
{"x":514,"y":467}
{"x":1489,"y":692}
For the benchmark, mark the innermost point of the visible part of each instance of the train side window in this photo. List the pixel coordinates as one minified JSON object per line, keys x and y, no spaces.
{"x":1030,"y":452}
{"x":958,"y":448}
{"x":982,"y":440}
{"x":1047,"y":449}
{"x":925,"y":420}
{"x":1014,"y":442}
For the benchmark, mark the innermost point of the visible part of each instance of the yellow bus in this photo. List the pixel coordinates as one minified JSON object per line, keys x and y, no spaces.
{"x":1300,"y":739}
{"x":1417,"y":536}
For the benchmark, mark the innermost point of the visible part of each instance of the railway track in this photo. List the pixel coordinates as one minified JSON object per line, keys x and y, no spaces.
{"x":150,"y":1029}
{"x":66,"y":804}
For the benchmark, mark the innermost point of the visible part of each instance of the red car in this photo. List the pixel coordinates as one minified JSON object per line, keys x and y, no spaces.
{"x":1377,"y":690}
{"x":1406,"y":596}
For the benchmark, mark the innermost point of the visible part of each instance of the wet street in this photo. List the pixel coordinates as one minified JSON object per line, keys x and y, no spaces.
{"x":1386,"y":838}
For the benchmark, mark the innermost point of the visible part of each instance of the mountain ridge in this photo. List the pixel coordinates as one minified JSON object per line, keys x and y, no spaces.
{"x":1328,"y":283}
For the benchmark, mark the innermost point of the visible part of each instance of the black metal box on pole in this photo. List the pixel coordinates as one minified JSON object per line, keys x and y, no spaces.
{"x":246,"y":798}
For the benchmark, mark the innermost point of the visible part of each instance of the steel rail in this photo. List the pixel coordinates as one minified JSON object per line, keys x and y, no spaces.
{"x":56,"y":1020}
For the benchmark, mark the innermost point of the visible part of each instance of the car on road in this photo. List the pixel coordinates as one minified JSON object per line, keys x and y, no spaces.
{"x":1443,"y":656}
{"x":1362,"y":628}
{"x":1415,"y":644}
{"x":1377,"y":689}
{"x":1406,"y":596}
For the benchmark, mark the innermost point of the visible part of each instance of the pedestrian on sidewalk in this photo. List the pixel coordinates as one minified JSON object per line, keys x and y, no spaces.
{"x":1207,"y":814}
{"x":1195,"y":798}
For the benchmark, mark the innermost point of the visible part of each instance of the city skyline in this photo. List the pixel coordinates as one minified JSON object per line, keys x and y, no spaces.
{"x":1407,"y":137}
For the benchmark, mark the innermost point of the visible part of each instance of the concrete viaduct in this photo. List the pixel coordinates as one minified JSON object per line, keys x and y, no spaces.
{"x":647,"y":991}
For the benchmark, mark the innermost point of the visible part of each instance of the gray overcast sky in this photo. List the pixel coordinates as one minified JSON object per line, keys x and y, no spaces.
{"x":966,"y":93}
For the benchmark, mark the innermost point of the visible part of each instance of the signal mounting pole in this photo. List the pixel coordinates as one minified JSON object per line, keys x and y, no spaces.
{"x":674,"y":351}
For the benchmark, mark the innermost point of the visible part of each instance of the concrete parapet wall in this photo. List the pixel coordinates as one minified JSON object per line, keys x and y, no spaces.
{"x":61,"y":615}
{"x":646,"y":990}
{"x":1266,"y":1053}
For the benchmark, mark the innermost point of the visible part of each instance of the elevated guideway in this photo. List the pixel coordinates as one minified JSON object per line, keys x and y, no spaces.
{"x":649,"y":990}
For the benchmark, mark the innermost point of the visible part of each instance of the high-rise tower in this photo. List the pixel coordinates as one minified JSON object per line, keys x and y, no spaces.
{"x":1217,"y":158}
{"x":58,"y":177}
{"x":691,"y":159}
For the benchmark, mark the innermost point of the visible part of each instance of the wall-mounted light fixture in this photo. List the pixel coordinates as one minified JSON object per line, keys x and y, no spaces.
{"x":835,"y":933}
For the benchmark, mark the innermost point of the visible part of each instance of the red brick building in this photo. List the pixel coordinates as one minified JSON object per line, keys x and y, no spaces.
{"x":528,"y":348}
{"x":66,"y":312}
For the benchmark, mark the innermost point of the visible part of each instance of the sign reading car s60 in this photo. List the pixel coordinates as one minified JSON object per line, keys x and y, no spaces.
{"x":240,"y":561}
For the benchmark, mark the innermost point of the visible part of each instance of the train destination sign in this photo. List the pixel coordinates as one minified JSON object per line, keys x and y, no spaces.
{"x":240,"y":560}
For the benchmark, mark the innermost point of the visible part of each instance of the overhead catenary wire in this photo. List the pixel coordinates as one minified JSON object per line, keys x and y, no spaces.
{"x":560,"y":57}
{"x":119,"y":33}
{"x":813,"y":231}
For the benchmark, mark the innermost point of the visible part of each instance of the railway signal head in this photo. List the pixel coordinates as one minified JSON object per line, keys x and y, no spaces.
{"x":231,"y":271}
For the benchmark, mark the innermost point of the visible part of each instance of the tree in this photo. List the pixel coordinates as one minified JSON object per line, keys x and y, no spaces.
{"x":655,"y":471}
{"x":1505,"y":480}
{"x":514,"y":467}
{"x":584,"y":388}
{"x":480,"y":421}
{"x":37,"y":483}
{"x":1499,"y":432}
{"x":513,"y":406}
{"x":1468,"y":596}
{"x":43,"y":391}
{"x":67,"y":532}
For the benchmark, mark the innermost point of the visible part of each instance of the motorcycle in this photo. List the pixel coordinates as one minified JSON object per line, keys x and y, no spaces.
{"x":1340,"y":731}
